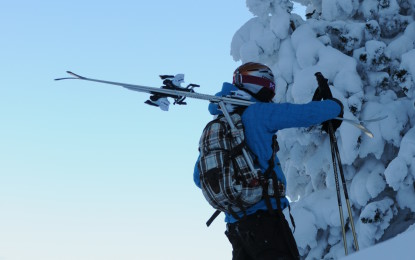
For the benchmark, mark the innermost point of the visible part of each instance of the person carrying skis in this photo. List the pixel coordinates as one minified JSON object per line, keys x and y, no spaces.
{"x":261,"y":230}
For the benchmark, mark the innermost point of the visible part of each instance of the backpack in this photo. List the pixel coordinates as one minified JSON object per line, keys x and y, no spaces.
{"x":227,"y":182}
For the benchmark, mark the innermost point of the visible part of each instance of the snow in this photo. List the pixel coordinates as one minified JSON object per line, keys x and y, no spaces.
{"x":366,"y":51}
{"x":400,"y":46}
{"x":359,"y":194}
{"x":336,"y":9}
{"x":400,"y":247}
{"x":303,"y":233}
{"x":378,"y":214}
{"x":280,"y":24}
{"x":369,"y":8}
{"x":348,"y":141}
{"x":285,"y":63}
{"x":397,"y":171}
{"x":406,"y":198}
{"x":408,"y":61}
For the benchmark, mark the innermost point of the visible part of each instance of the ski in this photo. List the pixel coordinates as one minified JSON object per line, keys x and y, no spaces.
{"x":177,"y":93}
{"x":373,"y":119}
{"x":180,"y":93}
{"x":358,"y":123}
{"x":363,"y":121}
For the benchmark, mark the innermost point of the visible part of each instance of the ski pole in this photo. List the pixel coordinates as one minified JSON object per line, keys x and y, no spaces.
{"x":335,"y":151}
{"x":337,"y":165}
{"x":336,"y":179}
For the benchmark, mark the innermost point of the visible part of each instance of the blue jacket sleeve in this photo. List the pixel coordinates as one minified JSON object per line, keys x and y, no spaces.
{"x":262,"y":120}
{"x":196,"y":177}
{"x":273,"y":117}
{"x":214,"y":109}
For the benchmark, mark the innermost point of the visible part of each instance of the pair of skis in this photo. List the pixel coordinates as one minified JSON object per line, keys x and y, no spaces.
{"x":179,"y":94}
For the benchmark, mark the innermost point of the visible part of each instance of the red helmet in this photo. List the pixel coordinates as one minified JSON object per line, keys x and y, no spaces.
{"x":256,"y":79}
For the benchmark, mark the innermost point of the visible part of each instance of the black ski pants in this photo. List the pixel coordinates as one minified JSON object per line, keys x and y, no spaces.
{"x":262,"y":236}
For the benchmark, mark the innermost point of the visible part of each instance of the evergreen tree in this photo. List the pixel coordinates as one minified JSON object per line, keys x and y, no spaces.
{"x":366,"y":51}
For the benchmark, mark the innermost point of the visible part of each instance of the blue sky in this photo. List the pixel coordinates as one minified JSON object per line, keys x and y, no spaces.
{"x":87,"y":171}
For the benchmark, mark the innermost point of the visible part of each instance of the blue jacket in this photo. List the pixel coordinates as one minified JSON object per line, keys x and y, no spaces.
{"x":262,"y":120}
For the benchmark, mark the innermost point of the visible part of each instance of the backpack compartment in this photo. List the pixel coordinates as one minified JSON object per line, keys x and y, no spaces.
{"x":228,"y":183}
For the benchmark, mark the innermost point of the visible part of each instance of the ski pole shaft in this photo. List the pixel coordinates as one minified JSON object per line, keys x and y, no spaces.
{"x":322,"y":87}
{"x":336,"y":179}
{"x":346,"y":194}
{"x":349,"y":210}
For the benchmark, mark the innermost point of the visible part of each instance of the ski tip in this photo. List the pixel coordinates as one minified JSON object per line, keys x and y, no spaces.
{"x":65,"y":78}
{"x":376,"y":119}
{"x":75,"y":76}
{"x":368,"y":133}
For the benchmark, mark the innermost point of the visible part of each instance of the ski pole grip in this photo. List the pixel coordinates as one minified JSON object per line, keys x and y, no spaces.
{"x":323,"y":86}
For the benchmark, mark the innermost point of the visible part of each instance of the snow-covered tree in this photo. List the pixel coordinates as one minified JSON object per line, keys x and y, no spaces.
{"x":365,"y":48}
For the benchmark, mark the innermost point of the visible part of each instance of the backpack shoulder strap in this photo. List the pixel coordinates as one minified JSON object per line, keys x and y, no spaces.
{"x":213,"y":217}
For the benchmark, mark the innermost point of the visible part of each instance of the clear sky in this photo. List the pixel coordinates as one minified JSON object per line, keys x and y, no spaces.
{"x":88,"y":171}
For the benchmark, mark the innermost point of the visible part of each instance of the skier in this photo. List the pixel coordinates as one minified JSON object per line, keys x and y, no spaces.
{"x":261,"y":231}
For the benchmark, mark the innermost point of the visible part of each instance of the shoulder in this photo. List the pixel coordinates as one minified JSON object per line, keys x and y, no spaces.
{"x":258,"y":115}
{"x":260,"y":110}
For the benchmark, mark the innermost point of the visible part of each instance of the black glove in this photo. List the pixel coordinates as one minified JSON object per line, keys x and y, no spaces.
{"x":335,"y":122}
{"x":323,"y":92}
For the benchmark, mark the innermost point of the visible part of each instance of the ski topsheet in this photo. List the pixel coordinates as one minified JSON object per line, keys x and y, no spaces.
{"x":179,"y":93}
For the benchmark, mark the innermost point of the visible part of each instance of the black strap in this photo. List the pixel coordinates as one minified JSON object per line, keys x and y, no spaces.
{"x":291,"y":217}
{"x":233,"y":213}
{"x":270,"y":174}
{"x":213,"y":217}
{"x":288,"y":234}
{"x":277,"y":191}
{"x":265,"y":195}
{"x":230,"y":210}
{"x":271,"y":162}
